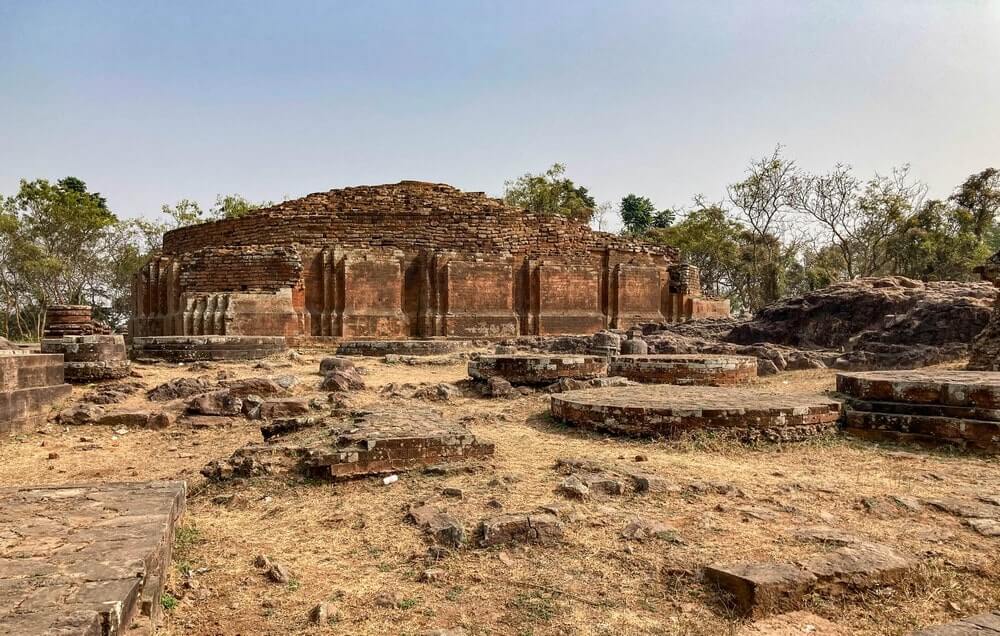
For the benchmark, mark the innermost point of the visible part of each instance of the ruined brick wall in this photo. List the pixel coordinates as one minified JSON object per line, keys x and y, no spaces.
{"x":399,"y":261}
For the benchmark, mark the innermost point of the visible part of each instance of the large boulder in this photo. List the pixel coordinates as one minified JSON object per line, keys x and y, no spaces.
{"x":889,"y":310}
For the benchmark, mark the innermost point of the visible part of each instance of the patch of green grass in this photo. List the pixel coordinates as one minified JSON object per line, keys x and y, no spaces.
{"x":168,"y":601}
{"x":293,"y":585}
{"x":408,"y":603}
{"x":185,"y":539}
{"x":535,"y":606}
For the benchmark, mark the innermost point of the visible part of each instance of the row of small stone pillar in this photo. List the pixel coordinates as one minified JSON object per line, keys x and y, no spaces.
{"x":90,"y":351}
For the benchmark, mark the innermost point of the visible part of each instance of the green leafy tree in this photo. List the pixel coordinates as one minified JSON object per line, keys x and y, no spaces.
{"x":979,"y":196}
{"x":637,"y":214}
{"x":233,"y":206}
{"x":550,"y":193}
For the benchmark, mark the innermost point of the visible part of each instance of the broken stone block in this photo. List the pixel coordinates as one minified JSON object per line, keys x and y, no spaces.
{"x":572,"y":486}
{"x":826,"y":534}
{"x":322,"y":613}
{"x":440,"y":526}
{"x":284,"y":408}
{"x":985,"y":527}
{"x":178,"y":388}
{"x":857,"y":567}
{"x":758,"y":589}
{"x":966,"y":509}
{"x":215,"y":403}
{"x":80,"y":415}
{"x":327,"y":365}
{"x":343,"y":380}
{"x":264,"y":387}
{"x":543,"y":528}
{"x":497,"y":387}
{"x":647,"y":483}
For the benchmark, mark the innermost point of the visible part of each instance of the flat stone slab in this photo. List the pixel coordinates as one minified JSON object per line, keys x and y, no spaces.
{"x":685,"y":369}
{"x":218,"y":348}
{"x":758,"y":589}
{"x":366,"y":443}
{"x":380,"y":348}
{"x":669,"y":411}
{"x":978,"y":389}
{"x":537,"y":369}
{"x":82,"y":560}
{"x":986,"y":624}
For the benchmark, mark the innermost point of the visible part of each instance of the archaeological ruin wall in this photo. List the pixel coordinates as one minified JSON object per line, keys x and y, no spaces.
{"x":408,"y":260}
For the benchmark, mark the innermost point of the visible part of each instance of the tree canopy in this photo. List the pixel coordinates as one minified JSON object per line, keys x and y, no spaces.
{"x":551,"y":193}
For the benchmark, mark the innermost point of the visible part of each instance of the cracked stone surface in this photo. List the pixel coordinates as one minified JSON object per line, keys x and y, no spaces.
{"x":668,"y":411}
{"x":85,"y":559}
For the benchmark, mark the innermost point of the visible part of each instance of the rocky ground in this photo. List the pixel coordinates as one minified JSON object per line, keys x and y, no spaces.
{"x":260,"y":556}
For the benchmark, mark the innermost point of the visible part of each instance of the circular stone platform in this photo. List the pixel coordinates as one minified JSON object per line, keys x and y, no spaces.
{"x":90,"y":358}
{"x":669,"y":411}
{"x":402,"y":347}
{"x":537,"y":369}
{"x":686,"y":369}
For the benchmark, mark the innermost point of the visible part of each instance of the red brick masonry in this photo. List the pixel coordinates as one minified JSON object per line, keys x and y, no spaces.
{"x":407,"y":260}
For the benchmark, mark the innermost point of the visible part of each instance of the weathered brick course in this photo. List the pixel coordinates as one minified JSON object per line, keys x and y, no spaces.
{"x":407,"y":260}
{"x":685,"y":369}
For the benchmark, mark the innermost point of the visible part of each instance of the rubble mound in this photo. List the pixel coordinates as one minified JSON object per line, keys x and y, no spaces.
{"x":891,"y":311}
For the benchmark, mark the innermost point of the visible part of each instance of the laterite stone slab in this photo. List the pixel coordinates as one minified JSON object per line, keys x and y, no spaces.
{"x":85,"y":560}
{"x":380,"y":348}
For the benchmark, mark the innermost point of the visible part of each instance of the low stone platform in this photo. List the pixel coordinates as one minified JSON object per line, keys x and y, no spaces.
{"x":685,"y":369}
{"x":199,"y":348}
{"x":930,"y":407}
{"x":29,"y":383}
{"x":986,"y":624}
{"x":402,"y":347}
{"x":670,"y":411}
{"x":366,"y":443}
{"x":85,"y":560}
{"x":90,"y":358}
{"x":537,"y":369}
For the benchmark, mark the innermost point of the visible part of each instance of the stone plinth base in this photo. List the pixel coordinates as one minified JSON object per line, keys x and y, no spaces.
{"x":219,"y":348}
{"x":685,"y":369}
{"x":671,"y":411}
{"x":86,"y":559}
{"x":368,"y":444}
{"x":958,"y":408}
{"x":90,"y":358}
{"x":538,"y":369}
{"x":402,"y":347}
{"x":29,"y":384}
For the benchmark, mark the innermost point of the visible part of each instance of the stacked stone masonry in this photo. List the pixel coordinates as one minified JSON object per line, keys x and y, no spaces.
{"x":931,"y":407}
{"x":218,"y":348}
{"x":29,"y":384}
{"x":366,"y":443}
{"x":90,"y":358}
{"x":407,"y":260}
{"x":670,"y":411}
{"x":72,"y":320}
{"x":381,"y":348}
{"x":537,"y":369}
{"x":685,"y":369}
{"x":86,"y":560}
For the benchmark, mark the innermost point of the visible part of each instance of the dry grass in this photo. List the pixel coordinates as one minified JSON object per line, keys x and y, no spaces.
{"x":348,"y":542}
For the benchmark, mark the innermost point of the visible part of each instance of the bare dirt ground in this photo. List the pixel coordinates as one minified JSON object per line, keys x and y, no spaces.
{"x":348,"y":543}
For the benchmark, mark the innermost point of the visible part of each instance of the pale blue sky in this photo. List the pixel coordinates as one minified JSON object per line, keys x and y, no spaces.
{"x":149,"y":102}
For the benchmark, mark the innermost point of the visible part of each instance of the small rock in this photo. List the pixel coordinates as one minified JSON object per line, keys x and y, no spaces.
{"x":432,"y":575}
{"x":573,"y":486}
{"x":387,"y":598}
{"x":457,"y":493}
{"x":640,"y":529}
{"x":391,"y":479}
{"x":278,"y":572}
{"x":322,"y":613}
